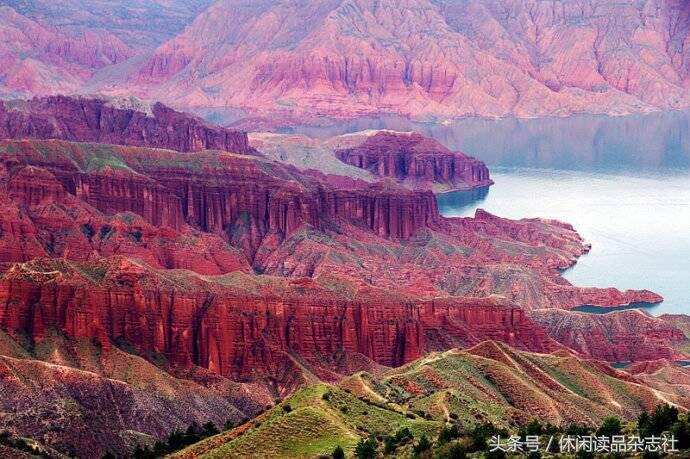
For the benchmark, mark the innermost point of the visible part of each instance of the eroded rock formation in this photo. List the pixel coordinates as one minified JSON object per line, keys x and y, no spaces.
{"x":622,"y":336}
{"x":95,"y":120}
{"x":242,"y":328}
{"x":349,"y":59}
{"x":417,"y":159}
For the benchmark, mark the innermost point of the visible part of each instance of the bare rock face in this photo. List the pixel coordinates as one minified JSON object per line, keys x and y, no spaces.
{"x":94,"y":120}
{"x":199,"y":211}
{"x":48,"y":48}
{"x":622,"y":336}
{"x":417,"y":159}
{"x":139,"y":23}
{"x":226,"y":326}
{"x":37,"y":59}
{"x":243,"y":199}
{"x":351,"y":58}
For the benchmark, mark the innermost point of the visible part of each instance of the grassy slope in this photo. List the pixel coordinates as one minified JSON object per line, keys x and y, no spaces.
{"x":314,"y":425}
{"x":488,"y":383}
{"x":492,"y":382}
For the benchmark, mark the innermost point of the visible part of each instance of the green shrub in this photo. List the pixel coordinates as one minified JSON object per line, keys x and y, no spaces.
{"x":210,"y":429}
{"x":448,"y":433}
{"x":366,"y":449}
{"x":661,"y":420}
{"x":451,"y":451}
{"x":422,"y":445}
{"x":135,"y":235}
{"x":88,"y":231}
{"x":105,"y":232}
{"x":498,"y":454}
{"x":610,"y":426}
{"x":533,"y":427}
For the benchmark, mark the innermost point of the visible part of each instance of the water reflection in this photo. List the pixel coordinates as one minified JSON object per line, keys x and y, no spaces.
{"x":584,"y":142}
{"x":457,"y":202}
{"x":591,"y":309}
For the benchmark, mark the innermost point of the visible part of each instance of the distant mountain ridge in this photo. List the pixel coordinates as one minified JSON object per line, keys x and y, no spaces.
{"x":430,"y":60}
{"x":138,"y":23}
{"x":49,"y":48}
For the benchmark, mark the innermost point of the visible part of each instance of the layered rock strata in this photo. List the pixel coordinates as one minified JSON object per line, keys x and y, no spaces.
{"x":95,"y":120}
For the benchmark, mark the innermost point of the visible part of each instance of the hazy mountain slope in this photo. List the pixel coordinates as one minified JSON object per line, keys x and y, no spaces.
{"x":39,"y":59}
{"x":139,"y":23}
{"x":57,"y":47}
{"x":427,"y":58}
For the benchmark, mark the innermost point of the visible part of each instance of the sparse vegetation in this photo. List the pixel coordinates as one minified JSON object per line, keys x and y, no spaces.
{"x":450,"y":420}
{"x":135,"y":235}
{"x":401,"y":437}
{"x":610,"y":427}
{"x":21,"y":444}
{"x":177,"y":440}
{"x":88,"y":231}
{"x":422,"y":446}
{"x":449,"y":433}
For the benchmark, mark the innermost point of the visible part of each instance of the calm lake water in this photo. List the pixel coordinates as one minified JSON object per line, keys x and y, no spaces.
{"x":623,"y":182}
{"x":638,"y":225}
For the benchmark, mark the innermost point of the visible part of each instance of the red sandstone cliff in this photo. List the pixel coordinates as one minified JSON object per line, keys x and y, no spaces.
{"x":629,"y":335}
{"x":197,"y":210}
{"x":241,"y":328}
{"x":240,"y":198}
{"x":94,"y":120}
{"x":415,"y":158}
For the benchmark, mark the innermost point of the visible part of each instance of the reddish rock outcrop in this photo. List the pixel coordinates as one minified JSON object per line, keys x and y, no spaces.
{"x":415,"y":158}
{"x":242,"y":328}
{"x":664,"y":376}
{"x":287,"y":222}
{"x":355,"y":275}
{"x":647,"y":366}
{"x":241,"y":198}
{"x":95,"y":120}
{"x":629,"y":335}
